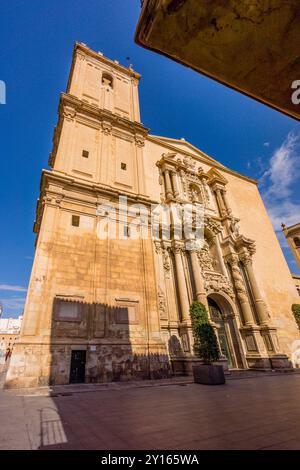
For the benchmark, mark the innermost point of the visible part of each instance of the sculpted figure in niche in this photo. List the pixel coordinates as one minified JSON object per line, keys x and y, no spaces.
{"x":195,"y":193}
{"x":208,"y":257}
{"x":235,"y":229}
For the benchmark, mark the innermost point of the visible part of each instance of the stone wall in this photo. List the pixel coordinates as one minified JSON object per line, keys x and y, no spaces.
{"x":100,"y":330}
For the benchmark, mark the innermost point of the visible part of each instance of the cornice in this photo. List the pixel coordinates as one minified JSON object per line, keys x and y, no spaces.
{"x":238,"y":246}
{"x":70,"y":106}
{"x":100,"y":114}
{"x":242,"y":242}
{"x":65,"y":182}
{"x":61,"y":179}
{"x":291,"y":230}
{"x":215,"y":178}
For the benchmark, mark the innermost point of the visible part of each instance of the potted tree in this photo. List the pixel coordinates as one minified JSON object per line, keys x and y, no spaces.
{"x":205,"y":347}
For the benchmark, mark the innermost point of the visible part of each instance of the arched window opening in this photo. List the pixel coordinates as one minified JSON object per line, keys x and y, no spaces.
{"x":297,"y":242}
{"x":107,"y":80}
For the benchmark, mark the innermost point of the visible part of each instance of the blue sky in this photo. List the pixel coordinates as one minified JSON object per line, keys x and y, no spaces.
{"x":37,"y":39}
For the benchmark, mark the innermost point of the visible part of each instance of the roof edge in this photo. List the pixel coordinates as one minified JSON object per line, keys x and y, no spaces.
{"x":202,"y":157}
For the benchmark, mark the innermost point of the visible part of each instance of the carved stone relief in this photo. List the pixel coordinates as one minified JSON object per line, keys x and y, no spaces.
{"x":166,"y":262}
{"x":205,"y":259}
{"x":162,"y":304}
{"x":218,"y":283}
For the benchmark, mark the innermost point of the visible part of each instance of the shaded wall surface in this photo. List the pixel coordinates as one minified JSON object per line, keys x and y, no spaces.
{"x":259,"y":37}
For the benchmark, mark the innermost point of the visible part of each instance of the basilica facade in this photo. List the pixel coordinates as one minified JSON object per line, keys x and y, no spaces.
{"x":102,"y":308}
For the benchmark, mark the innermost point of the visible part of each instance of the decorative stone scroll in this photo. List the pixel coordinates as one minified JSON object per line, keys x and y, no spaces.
{"x":139,"y":140}
{"x":69,"y":113}
{"x":212,"y":225}
{"x":218,"y":283}
{"x":106,"y":127}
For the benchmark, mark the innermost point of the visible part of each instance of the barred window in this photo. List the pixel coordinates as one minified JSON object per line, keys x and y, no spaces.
{"x":75,"y":220}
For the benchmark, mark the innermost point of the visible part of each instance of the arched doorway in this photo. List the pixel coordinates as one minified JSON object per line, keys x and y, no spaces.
{"x":226,"y":334}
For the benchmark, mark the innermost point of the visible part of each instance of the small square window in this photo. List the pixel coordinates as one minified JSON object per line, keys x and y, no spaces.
{"x":123,"y":166}
{"x":75,"y":220}
{"x":85,"y":153}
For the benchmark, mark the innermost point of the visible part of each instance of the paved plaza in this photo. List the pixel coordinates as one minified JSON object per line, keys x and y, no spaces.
{"x":250,"y":413}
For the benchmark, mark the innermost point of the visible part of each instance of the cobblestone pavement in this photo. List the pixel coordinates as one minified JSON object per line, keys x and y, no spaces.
{"x":254,"y":413}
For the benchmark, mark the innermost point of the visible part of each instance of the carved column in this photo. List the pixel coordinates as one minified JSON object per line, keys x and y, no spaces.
{"x":174,"y":183}
{"x":259,"y":303}
{"x":199,"y":284}
{"x":182,"y":290}
{"x":227,"y":205}
{"x":220,"y":255}
{"x":220,"y":201}
{"x":161,"y":283}
{"x":233,"y":260}
{"x":183,"y":183}
{"x":169,"y":191}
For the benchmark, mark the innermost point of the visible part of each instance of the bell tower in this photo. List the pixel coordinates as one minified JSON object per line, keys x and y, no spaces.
{"x":99,"y":136}
{"x":104,"y":83}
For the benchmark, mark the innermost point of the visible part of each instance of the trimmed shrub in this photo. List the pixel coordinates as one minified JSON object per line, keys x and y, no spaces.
{"x":205,"y":340}
{"x":296,"y":312}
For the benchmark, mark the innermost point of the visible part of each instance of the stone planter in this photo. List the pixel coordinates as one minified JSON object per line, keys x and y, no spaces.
{"x":208,"y":374}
